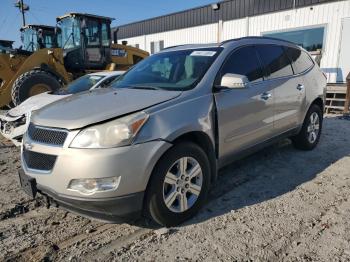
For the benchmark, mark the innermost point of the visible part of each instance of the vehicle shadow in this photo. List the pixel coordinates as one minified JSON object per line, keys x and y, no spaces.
{"x":274,"y":171}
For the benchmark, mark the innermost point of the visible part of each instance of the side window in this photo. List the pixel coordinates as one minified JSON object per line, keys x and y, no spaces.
{"x":105,"y":35}
{"x":245,"y":62}
{"x":106,"y":83}
{"x":92,"y":33}
{"x":275,"y":61}
{"x":301,"y":60}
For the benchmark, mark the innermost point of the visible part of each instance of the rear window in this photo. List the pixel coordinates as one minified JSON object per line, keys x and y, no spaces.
{"x":275,"y":61}
{"x":301,"y":60}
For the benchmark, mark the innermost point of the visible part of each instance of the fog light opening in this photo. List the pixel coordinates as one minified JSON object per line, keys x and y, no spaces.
{"x":89,"y":186}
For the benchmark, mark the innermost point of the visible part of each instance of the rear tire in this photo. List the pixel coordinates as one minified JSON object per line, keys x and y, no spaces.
{"x":179,"y":185}
{"x":310,"y":133}
{"x":32,"y":83}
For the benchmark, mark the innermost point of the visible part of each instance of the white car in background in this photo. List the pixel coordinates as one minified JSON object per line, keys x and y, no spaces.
{"x":14,"y":122}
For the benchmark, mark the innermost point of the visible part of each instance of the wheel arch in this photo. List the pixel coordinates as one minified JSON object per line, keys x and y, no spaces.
{"x":318,"y":101}
{"x":45,"y":67}
{"x":201,"y":139}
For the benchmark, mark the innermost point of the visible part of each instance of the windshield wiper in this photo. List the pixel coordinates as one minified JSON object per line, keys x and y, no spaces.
{"x":144,"y":87}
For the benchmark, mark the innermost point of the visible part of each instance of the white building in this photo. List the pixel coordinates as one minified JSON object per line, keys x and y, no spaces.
{"x":317,"y":25}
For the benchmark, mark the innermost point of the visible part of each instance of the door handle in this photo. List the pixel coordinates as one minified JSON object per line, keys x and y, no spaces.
{"x":300,"y":87}
{"x":266,"y":96}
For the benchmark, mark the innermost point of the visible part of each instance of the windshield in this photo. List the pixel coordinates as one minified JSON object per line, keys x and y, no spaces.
{"x":70,"y":33}
{"x":30,"y":40}
{"x":81,"y":84}
{"x":177,"y":70}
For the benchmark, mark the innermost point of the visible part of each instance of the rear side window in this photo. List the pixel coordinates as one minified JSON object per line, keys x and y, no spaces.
{"x":245,"y":62}
{"x":301,"y":60}
{"x":275,"y":61}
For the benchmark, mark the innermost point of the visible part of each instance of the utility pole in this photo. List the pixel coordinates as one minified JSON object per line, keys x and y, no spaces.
{"x":22,"y":8}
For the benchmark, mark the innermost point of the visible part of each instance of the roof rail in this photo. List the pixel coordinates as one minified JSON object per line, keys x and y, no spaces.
{"x":255,"y":37}
{"x":171,"y":47}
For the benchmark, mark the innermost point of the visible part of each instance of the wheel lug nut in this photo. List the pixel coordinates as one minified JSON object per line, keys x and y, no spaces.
{"x":182,"y":177}
{"x":178,"y":189}
{"x":182,"y":191}
{"x":187,"y":178}
{"x":187,"y":185}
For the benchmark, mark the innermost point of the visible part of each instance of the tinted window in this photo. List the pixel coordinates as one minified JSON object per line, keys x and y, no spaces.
{"x":275,"y":61}
{"x":301,"y":60}
{"x":310,"y":39}
{"x":245,"y":62}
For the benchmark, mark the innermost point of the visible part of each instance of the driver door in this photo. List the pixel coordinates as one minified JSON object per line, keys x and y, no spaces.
{"x":245,"y":115}
{"x":96,"y":44}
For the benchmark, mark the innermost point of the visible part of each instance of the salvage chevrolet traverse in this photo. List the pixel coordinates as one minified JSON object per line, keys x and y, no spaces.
{"x":154,"y":142}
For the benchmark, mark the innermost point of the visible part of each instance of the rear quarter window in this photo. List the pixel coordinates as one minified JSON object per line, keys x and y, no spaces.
{"x":300,"y":59}
{"x":275,"y":61}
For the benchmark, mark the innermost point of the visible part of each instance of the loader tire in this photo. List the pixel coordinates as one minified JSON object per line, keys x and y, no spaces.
{"x":32,"y":83}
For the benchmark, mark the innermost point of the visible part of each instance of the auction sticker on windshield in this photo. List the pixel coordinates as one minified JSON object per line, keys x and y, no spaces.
{"x":203,"y":53}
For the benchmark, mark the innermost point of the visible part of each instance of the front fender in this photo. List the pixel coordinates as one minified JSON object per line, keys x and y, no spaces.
{"x":179,"y":118}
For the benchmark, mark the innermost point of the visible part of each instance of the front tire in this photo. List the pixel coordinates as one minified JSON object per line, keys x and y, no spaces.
{"x":310,"y":133}
{"x":32,"y":83}
{"x":179,"y":185}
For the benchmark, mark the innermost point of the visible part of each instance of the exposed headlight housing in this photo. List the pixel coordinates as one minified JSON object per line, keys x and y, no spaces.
{"x":115,"y":133}
{"x":89,"y":186}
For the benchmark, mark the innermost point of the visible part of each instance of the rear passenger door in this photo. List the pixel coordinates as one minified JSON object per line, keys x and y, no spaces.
{"x":288,"y":90}
{"x":245,"y":116}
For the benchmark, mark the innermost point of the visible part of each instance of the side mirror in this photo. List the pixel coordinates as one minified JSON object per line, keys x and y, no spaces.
{"x":234,"y":81}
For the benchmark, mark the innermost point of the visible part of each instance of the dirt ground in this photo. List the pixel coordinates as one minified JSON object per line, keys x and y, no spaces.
{"x":280,"y":204}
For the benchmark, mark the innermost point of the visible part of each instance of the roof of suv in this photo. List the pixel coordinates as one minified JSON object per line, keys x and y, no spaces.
{"x":253,"y":39}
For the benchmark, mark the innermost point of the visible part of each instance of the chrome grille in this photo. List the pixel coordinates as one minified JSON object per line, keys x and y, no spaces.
{"x":38,"y":161}
{"x":44,"y":135}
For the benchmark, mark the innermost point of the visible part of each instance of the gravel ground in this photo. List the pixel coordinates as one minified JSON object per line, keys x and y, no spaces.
{"x":278,"y":204}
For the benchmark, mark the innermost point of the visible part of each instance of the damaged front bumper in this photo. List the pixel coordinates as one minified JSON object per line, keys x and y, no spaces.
{"x":13,"y":127}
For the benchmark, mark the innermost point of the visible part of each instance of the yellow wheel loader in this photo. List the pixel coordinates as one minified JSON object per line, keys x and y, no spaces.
{"x":85,"y":46}
{"x":34,"y":37}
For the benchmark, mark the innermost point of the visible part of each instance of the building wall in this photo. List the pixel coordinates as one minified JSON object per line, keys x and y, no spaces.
{"x":328,"y":14}
{"x":192,"y":35}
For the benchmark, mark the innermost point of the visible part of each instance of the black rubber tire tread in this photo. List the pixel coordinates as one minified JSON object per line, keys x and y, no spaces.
{"x":21,"y":87}
{"x":300,"y":141}
{"x":154,"y":203}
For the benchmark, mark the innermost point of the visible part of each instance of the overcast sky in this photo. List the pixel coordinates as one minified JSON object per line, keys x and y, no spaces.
{"x":45,"y":11}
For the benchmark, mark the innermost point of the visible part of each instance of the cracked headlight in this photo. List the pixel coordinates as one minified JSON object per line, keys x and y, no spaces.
{"x":115,"y":133}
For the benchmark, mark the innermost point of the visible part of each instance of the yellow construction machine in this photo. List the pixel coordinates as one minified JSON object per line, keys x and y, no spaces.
{"x":85,"y":46}
{"x":5,"y":45}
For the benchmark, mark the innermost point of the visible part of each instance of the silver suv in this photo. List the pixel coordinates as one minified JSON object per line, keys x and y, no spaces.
{"x":154,"y":142}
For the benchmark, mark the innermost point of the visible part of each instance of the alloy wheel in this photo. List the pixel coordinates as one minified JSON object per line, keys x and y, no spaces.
{"x":182,"y":184}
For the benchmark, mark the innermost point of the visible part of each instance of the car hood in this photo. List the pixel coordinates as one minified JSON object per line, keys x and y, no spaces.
{"x":33,"y":103}
{"x":98,"y":105}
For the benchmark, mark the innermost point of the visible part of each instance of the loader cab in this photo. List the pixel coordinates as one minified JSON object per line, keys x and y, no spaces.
{"x":86,"y":41}
{"x":5,"y":46}
{"x":35,"y":37}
